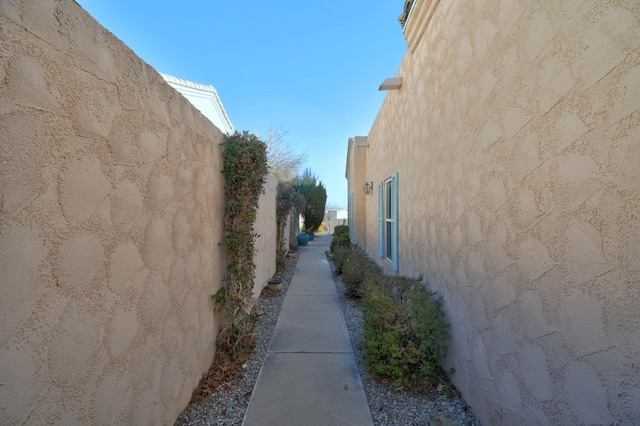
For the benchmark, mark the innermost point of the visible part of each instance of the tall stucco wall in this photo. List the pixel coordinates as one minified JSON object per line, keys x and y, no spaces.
{"x":286,"y":232}
{"x":356,"y":178}
{"x":111,"y":208}
{"x":516,"y":133}
{"x":266,"y":229}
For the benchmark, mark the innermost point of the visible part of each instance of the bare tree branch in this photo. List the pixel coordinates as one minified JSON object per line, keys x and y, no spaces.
{"x":284,"y":162}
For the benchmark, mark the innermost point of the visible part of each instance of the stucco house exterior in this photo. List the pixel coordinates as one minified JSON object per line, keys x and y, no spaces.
{"x":504,"y":167}
{"x":335,"y":217}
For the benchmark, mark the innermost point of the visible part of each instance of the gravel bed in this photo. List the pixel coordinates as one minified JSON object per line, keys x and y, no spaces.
{"x":228,"y":406}
{"x":388,"y":406}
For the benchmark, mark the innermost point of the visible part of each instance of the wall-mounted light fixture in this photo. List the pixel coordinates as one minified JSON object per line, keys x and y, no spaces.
{"x":391,"y":84}
{"x":367,"y":188}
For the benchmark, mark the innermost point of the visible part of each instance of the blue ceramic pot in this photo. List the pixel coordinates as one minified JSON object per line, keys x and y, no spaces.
{"x":303,"y":239}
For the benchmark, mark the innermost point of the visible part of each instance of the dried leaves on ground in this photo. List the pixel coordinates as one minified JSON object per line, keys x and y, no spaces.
{"x":222,"y":397}
{"x":222,"y":373}
{"x":227,"y":366}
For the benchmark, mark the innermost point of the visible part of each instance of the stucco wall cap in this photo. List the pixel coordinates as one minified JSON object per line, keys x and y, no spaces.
{"x":356,"y":141}
{"x":417,"y":16}
{"x":406,"y":13}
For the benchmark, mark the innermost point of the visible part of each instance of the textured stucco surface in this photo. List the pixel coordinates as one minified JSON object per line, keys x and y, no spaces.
{"x":356,"y":176}
{"x":267,"y":231}
{"x":111,"y":207}
{"x":516,"y":133}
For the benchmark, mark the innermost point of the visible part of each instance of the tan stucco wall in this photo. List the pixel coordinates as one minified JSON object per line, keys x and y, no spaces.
{"x":516,"y":133}
{"x":356,"y":177}
{"x":265,"y":227}
{"x":111,"y":206}
{"x":287,"y":233}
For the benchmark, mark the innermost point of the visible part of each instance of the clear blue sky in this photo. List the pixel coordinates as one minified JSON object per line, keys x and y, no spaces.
{"x":312,"y":68}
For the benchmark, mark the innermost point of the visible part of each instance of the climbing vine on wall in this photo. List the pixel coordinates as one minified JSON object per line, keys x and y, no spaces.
{"x":245,"y":169}
{"x":284,"y":204}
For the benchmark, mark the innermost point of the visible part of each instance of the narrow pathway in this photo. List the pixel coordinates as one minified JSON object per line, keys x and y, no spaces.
{"x":309,"y":375}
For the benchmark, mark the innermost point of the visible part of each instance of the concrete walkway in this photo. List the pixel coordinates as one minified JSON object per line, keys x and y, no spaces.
{"x":309,"y":375}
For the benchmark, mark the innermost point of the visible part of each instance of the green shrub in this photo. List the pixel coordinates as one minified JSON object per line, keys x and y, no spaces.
{"x":356,"y":268}
{"x":341,"y":240}
{"x":405,"y":330}
{"x":341,"y":229}
{"x":340,"y":255}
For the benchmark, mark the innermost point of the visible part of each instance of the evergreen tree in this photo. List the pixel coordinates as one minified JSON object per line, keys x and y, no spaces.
{"x":315,"y":195}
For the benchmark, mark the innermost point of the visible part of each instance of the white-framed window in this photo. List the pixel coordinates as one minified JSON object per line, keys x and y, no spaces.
{"x":388,"y":220}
